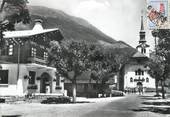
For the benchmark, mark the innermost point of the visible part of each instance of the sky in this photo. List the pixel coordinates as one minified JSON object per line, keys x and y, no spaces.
{"x":119,"y":19}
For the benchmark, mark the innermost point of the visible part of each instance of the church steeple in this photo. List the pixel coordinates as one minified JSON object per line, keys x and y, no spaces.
{"x":142,"y":47}
{"x":142,"y":32}
{"x":142,"y":27}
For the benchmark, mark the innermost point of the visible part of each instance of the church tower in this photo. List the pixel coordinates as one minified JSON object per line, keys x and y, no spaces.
{"x":143,"y":47}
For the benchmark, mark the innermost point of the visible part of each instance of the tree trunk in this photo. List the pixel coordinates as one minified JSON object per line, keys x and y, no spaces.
{"x":156,"y":87}
{"x":163,"y":90}
{"x":117,"y":83}
{"x":103,"y":89}
{"x":102,"y":93}
{"x":97,"y":89}
{"x":74,"y":91}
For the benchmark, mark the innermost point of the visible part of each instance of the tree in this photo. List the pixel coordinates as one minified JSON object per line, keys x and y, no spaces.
{"x":155,"y":70}
{"x":102,"y":68}
{"x":70,"y":57}
{"x":163,"y":51}
{"x":12,"y":12}
{"x":107,"y":62}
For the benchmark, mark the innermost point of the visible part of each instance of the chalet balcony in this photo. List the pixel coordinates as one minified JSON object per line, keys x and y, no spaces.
{"x":12,"y":59}
{"x":6,"y":59}
{"x":37,"y":59}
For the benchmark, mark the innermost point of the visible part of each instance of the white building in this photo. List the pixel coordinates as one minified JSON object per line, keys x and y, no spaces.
{"x":23,"y":66}
{"x":135,"y":73}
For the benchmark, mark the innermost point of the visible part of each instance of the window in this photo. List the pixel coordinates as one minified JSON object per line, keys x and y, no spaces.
{"x":139,"y":72}
{"x":147,"y":79}
{"x":143,"y":79}
{"x":33,"y":52}
{"x":57,"y":81}
{"x":131,"y":79}
{"x":45,"y":55}
{"x":32,"y":77}
{"x":10,"y":50}
{"x":143,"y":50}
{"x":3,"y":76}
{"x":136,"y":72}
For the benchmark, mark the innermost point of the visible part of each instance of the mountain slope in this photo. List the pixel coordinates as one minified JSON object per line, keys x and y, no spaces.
{"x":70,"y":26}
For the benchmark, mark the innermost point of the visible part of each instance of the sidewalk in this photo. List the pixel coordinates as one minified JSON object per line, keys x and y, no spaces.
{"x":106,"y":99}
{"x":59,"y":110}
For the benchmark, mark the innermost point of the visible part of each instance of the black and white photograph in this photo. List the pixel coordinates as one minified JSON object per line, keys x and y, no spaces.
{"x":84,"y":58}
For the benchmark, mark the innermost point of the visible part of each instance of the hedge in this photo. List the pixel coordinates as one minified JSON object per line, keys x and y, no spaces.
{"x":56,"y":100}
{"x":2,"y":100}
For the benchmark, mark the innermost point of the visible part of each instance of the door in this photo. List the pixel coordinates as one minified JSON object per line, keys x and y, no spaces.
{"x":45,"y":83}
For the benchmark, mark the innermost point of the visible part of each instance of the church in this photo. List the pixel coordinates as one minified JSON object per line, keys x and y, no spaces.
{"x":134,"y":74}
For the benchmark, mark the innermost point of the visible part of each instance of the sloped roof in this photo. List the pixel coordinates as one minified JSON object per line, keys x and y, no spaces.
{"x":26,"y":33}
{"x":37,"y":29}
{"x":141,"y":45}
{"x":139,"y":55}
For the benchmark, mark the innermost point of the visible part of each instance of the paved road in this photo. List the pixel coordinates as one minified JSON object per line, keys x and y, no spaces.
{"x":123,"y":108}
{"x":119,"y":108}
{"x":106,"y":107}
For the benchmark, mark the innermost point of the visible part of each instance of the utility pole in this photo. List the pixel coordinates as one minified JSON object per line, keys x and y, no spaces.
{"x":1,"y":36}
{"x":18,"y":57}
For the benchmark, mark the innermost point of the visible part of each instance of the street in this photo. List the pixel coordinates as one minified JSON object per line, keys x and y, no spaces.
{"x":122,"y":108}
{"x":102,"y":107}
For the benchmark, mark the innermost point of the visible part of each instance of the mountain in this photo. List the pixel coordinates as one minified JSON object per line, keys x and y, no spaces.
{"x":71,"y":27}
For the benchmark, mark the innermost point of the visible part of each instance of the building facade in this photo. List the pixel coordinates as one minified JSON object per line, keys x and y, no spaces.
{"x":134,"y":74}
{"x":87,"y":87}
{"x":23,"y":61}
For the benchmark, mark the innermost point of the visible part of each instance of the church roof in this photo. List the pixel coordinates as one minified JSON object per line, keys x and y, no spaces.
{"x":143,"y":45}
{"x":139,"y":55}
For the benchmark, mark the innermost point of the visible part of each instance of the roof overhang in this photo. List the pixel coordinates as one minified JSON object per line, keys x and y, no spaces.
{"x":139,"y":55}
{"x":34,"y":66}
{"x":26,"y":33}
{"x":141,"y":45}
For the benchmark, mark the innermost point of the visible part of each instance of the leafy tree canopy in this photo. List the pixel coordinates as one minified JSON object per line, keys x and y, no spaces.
{"x":70,"y":56}
{"x":14,"y":11}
